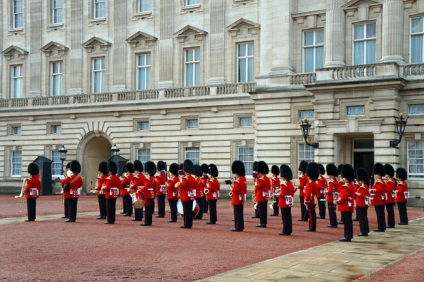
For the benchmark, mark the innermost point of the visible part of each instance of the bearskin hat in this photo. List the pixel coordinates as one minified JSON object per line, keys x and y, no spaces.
{"x":255,"y":166}
{"x":379,"y":169}
{"x":205,"y":168}
{"x":198,"y":170}
{"x":275,"y":170}
{"x":263,"y":167}
{"x":321,"y":169}
{"x":173,"y":168}
{"x":390,"y":171}
{"x":75,"y":167}
{"x":188,"y":166}
{"x":68,"y":165}
{"x":129,"y":167}
{"x":238,"y":168}
{"x":302,"y":166}
{"x":150,"y":168}
{"x":33,"y":169}
{"x":103,"y":168}
{"x":348,"y":172}
{"x":332,"y":170}
{"x":312,"y":171}
{"x":339,"y":169}
{"x":138,"y":166}
{"x":362,"y":175}
{"x":161,"y":165}
{"x":286,"y":172}
{"x":113,"y":168}
{"x":213,"y":170}
{"x":401,"y":173}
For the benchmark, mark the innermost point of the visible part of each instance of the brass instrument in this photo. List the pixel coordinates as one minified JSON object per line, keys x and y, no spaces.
{"x":22,"y":195}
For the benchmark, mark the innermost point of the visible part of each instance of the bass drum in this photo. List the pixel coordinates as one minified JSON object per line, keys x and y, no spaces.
{"x":181,"y":210}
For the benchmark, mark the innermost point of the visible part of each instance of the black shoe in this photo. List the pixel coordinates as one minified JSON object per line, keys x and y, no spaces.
{"x":108,"y":222}
{"x":64,"y":217}
{"x":332,"y":226}
{"x":283,"y":234}
{"x":310,"y":230}
{"x":144,"y":224}
{"x":362,"y":234}
{"x":236,"y":230}
{"x":390,"y":227}
{"x":160,"y":216}
{"x":378,"y":230}
{"x":210,"y":222}
{"x":344,"y":239}
{"x":29,"y":220}
{"x":402,"y":223}
{"x":273,"y":215}
{"x":182,"y":226}
{"x":170,"y":220}
{"x":255,"y":216}
{"x":261,"y":225}
{"x":121,"y":213}
{"x":127,"y":214}
{"x":101,"y":217}
{"x":355,"y":219}
{"x":340,"y":222}
{"x":136,"y":219}
{"x":68,"y":220}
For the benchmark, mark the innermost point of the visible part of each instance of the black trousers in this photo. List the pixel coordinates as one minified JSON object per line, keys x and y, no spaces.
{"x":303,"y":214}
{"x":205,"y":205}
{"x":312,"y":217}
{"x":199,"y":202}
{"x":188,"y":213}
{"x":65,"y":208}
{"x":124,"y":207}
{"x":110,"y":210}
{"x":161,"y":205}
{"x":212,"y":211}
{"x":381,"y":220}
{"x":128,"y":205}
{"x":362,"y":213}
{"x":403,"y":213}
{"x":174,"y":211}
{"x":348,"y":225}
{"x":321,"y":207}
{"x":149,"y":209}
{"x":275,"y":207}
{"x":390,"y":215}
{"x":263,"y":213}
{"x":102,"y":205}
{"x":73,"y":209}
{"x":287,"y":220}
{"x":138,"y":214}
{"x":238,"y":217}
{"x":332,"y":213}
{"x":31,"y":208}
{"x":257,"y":211}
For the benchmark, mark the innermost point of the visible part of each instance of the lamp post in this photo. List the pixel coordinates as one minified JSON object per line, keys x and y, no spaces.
{"x":400,"y":123}
{"x":115,"y":150}
{"x":63,"y":151}
{"x":305,"y":125}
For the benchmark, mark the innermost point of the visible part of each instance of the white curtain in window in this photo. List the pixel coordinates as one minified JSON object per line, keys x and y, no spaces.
{"x":358,"y":53}
{"x":144,"y":5}
{"x":193,"y":154}
{"x":370,"y":52}
{"x":245,"y":154}
{"x":416,"y":109}
{"x":17,"y":14}
{"x":16,"y":162}
{"x":356,"y":111}
{"x":417,"y":49}
{"x":309,"y":60}
{"x":57,"y":11}
{"x":319,"y":58}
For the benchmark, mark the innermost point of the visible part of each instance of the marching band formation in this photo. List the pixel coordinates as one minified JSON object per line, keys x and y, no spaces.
{"x":192,"y":190}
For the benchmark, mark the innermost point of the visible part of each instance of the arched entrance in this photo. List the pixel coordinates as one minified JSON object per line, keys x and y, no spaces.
{"x":97,"y":149}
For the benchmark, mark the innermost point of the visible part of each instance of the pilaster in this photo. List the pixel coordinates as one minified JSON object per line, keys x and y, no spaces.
{"x":335,"y":34}
{"x":392,"y":31}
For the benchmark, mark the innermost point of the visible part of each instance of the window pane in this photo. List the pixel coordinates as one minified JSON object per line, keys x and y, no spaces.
{"x":306,"y":153}
{"x":16,"y":163}
{"x":143,"y":155}
{"x":358,"y":31}
{"x":319,"y":37}
{"x":143,"y":125}
{"x":56,"y":163}
{"x":319,"y":58}
{"x":245,"y":154}
{"x":371,"y":31}
{"x":358,"y":49}
{"x":356,"y":111}
{"x":416,"y":159}
{"x":417,"y":25}
{"x":309,"y":38}
{"x":417,"y":49}
{"x":309,"y":60}
{"x":191,"y":123}
{"x":371,"y":52}
{"x":193,"y":154}
{"x":309,"y":114}
{"x":246,"y":121}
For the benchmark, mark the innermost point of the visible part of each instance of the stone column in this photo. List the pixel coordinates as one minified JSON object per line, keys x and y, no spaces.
{"x":217,"y":42}
{"x":392,"y":39}
{"x":34,"y":57}
{"x":166,"y":46}
{"x":118,"y":71}
{"x":75,"y":51}
{"x":335,"y":34}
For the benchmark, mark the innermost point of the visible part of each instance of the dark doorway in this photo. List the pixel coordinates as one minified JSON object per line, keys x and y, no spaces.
{"x":364,"y":160}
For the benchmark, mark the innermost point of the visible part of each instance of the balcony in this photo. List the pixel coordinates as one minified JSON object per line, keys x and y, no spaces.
{"x":154,"y":94}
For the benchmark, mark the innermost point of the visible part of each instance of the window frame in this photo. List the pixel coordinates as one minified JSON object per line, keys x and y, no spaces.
{"x":17,"y":13}
{"x":57,"y":163}
{"x":248,"y":165}
{"x":191,"y":127}
{"x":365,"y":40}
{"x":58,"y":90}
{"x":14,"y":165}
{"x":315,"y":46}
{"x":147,"y":66}
{"x":16,"y":78}
{"x":415,"y":114}
{"x":310,"y":151}
{"x":140,"y":122}
{"x":417,"y":176}
{"x":192,"y":149}
{"x":96,"y":5}
{"x":53,"y":13}
{"x":147,"y":156}
{"x":247,"y":59}
{"x":139,"y":4}
{"x":196,"y":66}
{"x":411,"y":35}
{"x":102,"y":77}
{"x":355,"y":115}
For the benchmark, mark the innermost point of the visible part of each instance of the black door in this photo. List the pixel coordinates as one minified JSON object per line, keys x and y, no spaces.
{"x":364,"y":160}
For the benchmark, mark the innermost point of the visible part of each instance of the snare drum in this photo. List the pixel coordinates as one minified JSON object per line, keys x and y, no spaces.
{"x":180,"y":208}
{"x":137,"y":203}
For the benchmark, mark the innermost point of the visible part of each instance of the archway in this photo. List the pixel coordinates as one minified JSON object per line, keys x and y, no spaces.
{"x":97,"y":149}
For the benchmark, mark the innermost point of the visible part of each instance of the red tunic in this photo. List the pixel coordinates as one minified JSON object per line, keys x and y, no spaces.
{"x":214,"y":188}
{"x":199,"y":188}
{"x":172,"y":191}
{"x":188,"y":184}
{"x":239,"y":191}
{"x":112,"y":187}
{"x":75,"y":183}
{"x":345,"y":200}
{"x":262,"y":187}
{"x":138,"y":186}
{"x":401,"y":188}
{"x":275,"y":184}
{"x":101,"y":184}
{"x":303,"y":180}
{"x":322,"y":187}
{"x":311,"y":194}
{"x":378,"y":192}
{"x":161,"y":181}
{"x":390,"y":190}
{"x":361,"y":193}
{"x":149,"y":188}
{"x":126,"y":183}
{"x":33,"y":187}
{"x":287,"y":190}
{"x":332,"y":185}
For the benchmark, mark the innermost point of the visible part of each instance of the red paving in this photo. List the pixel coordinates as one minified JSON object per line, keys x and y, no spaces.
{"x":88,"y":250}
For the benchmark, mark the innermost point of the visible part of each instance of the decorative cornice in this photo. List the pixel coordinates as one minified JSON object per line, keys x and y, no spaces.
{"x":95,"y":41}
{"x":235,"y":27}
{"x":182,"y":34}
{"x":8,"y":52}
{"x":136,"y":39}
{"x":51,"y":46}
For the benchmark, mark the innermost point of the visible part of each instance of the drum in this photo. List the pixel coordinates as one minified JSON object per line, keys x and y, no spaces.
{"x":137,"y":203}
{"x":180,"y":208}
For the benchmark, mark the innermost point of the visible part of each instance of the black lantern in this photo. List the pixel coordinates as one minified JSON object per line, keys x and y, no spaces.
{"x":115,"y":150}
{"x":400,"y":123}
{"x":63,"y":151}
{"x":305,"y":125}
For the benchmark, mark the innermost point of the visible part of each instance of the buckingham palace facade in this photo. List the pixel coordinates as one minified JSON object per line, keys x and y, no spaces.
{"x":211,"y":80}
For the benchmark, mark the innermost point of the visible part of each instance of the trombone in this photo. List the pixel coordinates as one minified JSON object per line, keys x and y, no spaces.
{"x":22,"y":195}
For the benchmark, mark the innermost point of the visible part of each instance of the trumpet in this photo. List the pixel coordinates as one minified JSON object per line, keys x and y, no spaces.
{"x":230,"y":193}
{"x":22,"y":195}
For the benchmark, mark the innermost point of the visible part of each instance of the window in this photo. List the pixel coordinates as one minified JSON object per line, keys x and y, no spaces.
{"x":193,"y":154}
{"x":143,"y":6}
{"x":245,"y":121}
{"x":191,"y":2}
{"x":245,"y":62}
{"x":56,"y":75}
{"x":17,"y":81}
{"x":416,"y":109}
{"x":245,"y":154}
{"x":416,"y":159}
{"x":192,"y":124}
{"x":99,"y":73}
{"x":143,"y":125}
{"x":17,"y":14}
{"x":355,"y":110}
{"x":364,"y":40}
{"x":55,"y":128}
{"x":417,"y":40}
{"x":306,"y":153}
{"x":143,"y":155}
{"x":57,"y":11}
{"x":56,"y":163}
{"x":143,"y":71}
{"x":309,"y":114}
{"x":15,"y":130}
{"x":192,"y":67}
{"x":16,"y":163}
{"x":313,"y":50}
{"x":99,"y":9}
